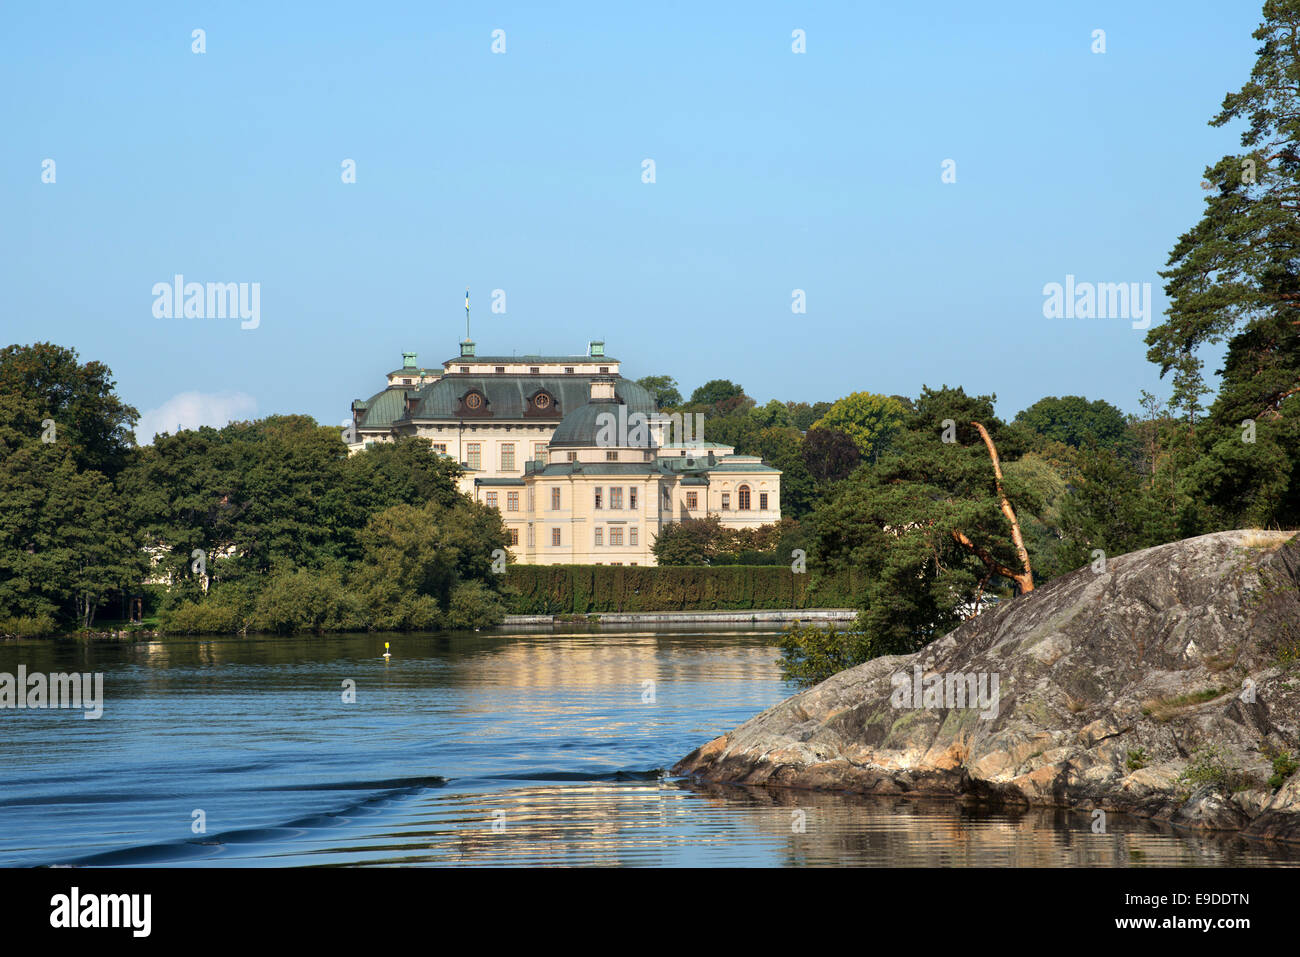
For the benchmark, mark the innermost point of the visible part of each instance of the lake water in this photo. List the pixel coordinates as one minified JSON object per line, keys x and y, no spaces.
{"x":517,"y":749}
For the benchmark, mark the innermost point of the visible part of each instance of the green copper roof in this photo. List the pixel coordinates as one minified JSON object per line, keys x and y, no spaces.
{"x":525,"y":360}
{"x":507,"y":397}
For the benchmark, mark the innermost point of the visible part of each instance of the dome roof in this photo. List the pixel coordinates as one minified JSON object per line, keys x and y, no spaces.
{"x":579,"y":428}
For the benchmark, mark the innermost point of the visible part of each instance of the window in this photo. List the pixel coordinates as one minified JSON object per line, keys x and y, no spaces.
{"x":514,"y":535}
{"x":762,"y":501}
{"x":615,"y":497}
{"x":604,"y":369}
{"x":464,"y":370}
{"x":631,"y":537}
{"x":507,"y":456}
{"x":473,"y":455}
{"x":491,"y":499}
{"x":440,"y":447}
{"x":535,"y":370}
{"x":611,"y":456}
{"x":598,"y":496}
{"x":406,"y":382}
{"x":555,"y":501}
{"x":568,"y":370}
{"x":600,"y":537}
{"x":743,"y":504}
{"x":616,"y":536}
{"x":555,"y":536}
{"x":539,"y":450}
{"x":631,"y":498}
{"x":726,"y":500}
{"x":532,"y":536}
{"x":668,"y":496}
{"x":501,"y":370}
{"x":512,"y":501}
{"x":573,"y":456}
{"x":692,"y":499}
{"x":532,"y":500}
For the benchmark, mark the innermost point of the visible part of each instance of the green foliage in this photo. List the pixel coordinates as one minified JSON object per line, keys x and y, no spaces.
{"x":305,"y":601}
{"x":830,"y":455}
{"x":900,"y":523}
{"x":65,"y":543}
{"x":1208,"y":767}
{"x":1074,"y":421}
{"x":1284,"y":765}
{"x":868,"y":419}
{"x":1234,"y":277}
{"x":592,"y":589}
{"x":415,"y":557}
{"x":782,"y":447}
{"x":45,"y":381}
{"x":664,"y":389}
{"x":811,"y":654}
{"x":1137,"y":759}
{"x":704,"y":541}
{"x":716,"y":391}
{"x":36,"y":626}
{"x":1110,"y":508}
{"x":474,"y":604}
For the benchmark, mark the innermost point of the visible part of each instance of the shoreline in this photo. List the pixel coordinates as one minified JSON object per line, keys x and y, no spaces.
{"x":775,"y":616}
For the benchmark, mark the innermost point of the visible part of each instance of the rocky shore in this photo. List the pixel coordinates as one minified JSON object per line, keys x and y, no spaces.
{"x":1165,"y":684}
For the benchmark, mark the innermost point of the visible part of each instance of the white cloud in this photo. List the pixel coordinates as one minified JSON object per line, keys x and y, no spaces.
{"x":189,"y":410}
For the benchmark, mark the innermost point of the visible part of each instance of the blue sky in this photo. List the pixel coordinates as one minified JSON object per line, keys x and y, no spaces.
{"x":522,"y":171}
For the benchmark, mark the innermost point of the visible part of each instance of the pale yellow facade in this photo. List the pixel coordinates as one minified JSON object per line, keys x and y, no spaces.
{"x":526,"y":433}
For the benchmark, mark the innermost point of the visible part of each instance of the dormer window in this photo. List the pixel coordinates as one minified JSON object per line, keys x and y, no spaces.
{"x":542,"y":401}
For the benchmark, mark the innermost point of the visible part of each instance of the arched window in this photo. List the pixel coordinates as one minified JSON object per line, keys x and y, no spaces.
{"x":744,"y":498}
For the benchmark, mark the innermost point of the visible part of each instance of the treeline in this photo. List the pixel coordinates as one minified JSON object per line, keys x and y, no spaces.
{"x":591,"y":589}
{"x":932,"y":529}
{"x":258,"y":526}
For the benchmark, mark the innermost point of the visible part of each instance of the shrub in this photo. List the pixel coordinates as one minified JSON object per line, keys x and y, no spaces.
{"x":811,"y":654}
{"x":592,"y":589}
{"x":301,"y":600}
{"x":27,"y":627}
{"x":473,"y":604}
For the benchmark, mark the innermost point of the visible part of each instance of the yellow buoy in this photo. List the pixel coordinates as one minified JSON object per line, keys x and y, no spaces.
{"x":386,"y":652}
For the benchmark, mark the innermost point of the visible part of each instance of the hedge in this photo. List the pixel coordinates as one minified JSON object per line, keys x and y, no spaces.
{"x":588,"y":589}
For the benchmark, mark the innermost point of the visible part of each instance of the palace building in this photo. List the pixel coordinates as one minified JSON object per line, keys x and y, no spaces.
{"x":546,"y":440}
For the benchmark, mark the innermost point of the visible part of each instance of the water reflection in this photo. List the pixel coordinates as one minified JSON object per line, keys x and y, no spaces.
{"x":472,"y":750}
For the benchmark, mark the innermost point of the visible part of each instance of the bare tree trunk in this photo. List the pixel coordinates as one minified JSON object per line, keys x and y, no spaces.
{"x":1025,"y":579}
